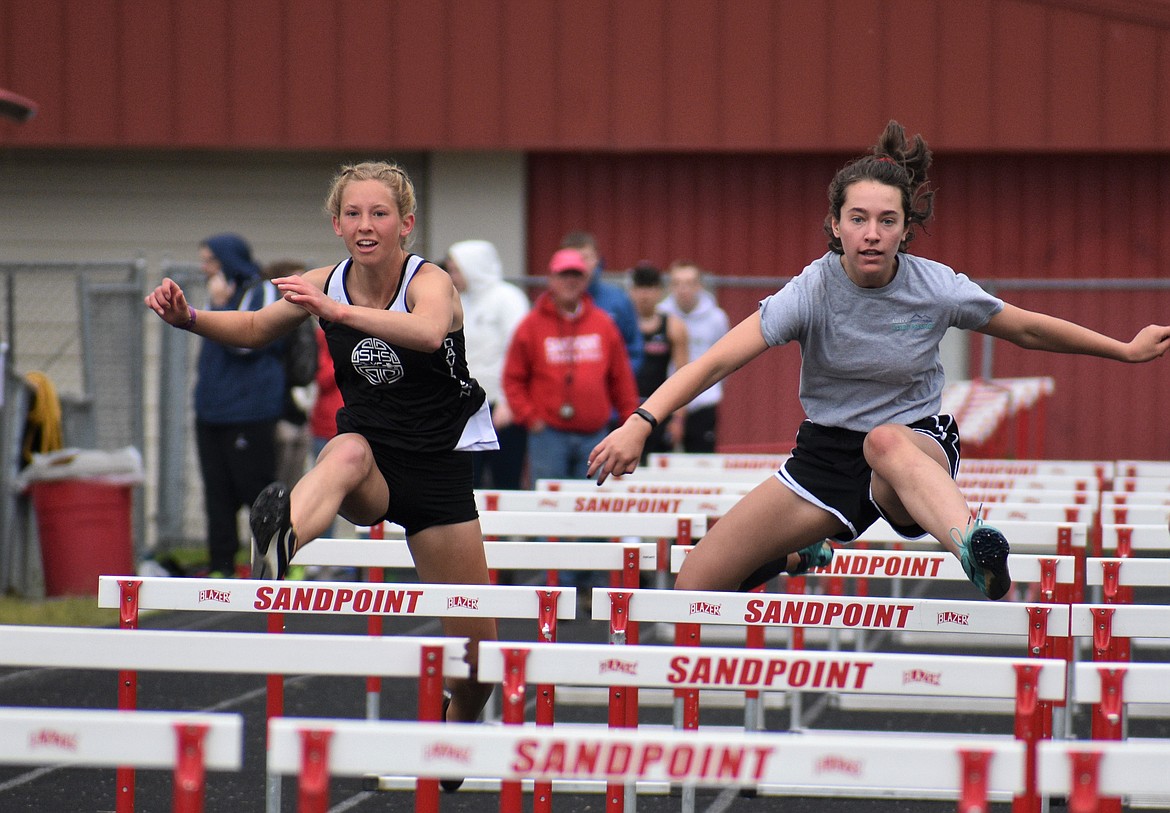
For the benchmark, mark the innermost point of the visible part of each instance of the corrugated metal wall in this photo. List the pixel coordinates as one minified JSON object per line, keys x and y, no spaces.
{"x":1011,"y":221}
{"x":792,"y":75}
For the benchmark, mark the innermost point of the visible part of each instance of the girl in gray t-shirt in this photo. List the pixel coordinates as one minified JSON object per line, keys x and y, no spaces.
{"x":868,"y":318}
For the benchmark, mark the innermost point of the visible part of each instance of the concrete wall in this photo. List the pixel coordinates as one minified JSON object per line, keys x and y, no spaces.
{"x":479,"y":196}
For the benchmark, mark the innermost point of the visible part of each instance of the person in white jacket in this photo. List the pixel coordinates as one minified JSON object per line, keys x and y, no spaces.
{"x":492,"y":308}
{"x":706,"y":323}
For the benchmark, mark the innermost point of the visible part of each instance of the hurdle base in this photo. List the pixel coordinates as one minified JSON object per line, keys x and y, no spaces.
{"x":483,"y":785}
{"x":391,"y":783}
{"x":1147,"y":800}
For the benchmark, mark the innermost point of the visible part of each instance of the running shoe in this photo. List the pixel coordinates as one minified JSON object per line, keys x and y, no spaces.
{"x":983,"y":550}
{"x":818,"y":554}
{"x":273,"y":539}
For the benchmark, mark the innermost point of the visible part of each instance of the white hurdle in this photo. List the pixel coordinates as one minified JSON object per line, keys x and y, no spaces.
{"x":666,"y":528}
{"x":1022,"y":681}
{"x":1112,"y":627}
{"x":1114,"y":577}
{"x":715,"y":461}
{"x":427,"y":659}
{"x":1042,"y":626}
{"x":1142,"y":468}
{"x":189,"y":744}
{"x":1112,"y":687}
{"x":604,"y":502}
{"x":1102,"y":470}
{"x":1052,"y":575}
{"x":1059,"y":538}
{"x":1096,"y":775}
{"x":856,"y":765}
{"x":1123,"y":540}
{"x":372,"y":600}
{"x":626,"y":485}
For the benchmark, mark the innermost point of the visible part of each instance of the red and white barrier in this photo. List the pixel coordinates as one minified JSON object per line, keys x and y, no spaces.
{"x":239,"y":652}
{"x":1048,"y":573}
{"x":544,"y":526}
{"x":1027,"y":682}
{"x":1111,"y":687}
{"x":978,"y":495}
{"x":1115,"y":577}
{"x":129,"y":651}
{"x":1095,"y":775}
{"x":187,"y":743}
{"x":626,"y":485}
{"x":995,"y":512}
{"x":1109,"y":498}
{"x":373,"y":600}
{"x":1061,"y":538}
{"x":1125,"y":540}
{"x":1022,"y":482}
{"x":715,"y":461}
{"x":1152,"y":485}
{"x":1142,"y":468}
{"x":1102,"y":470}
{"x":1110,"y":627}
{"x":971,"y":768}
{"x":501,"y":555}
{"x":337,"y":598}
{"x":590,"y":500}
{"x":1115,"y":513}
{"x":1039,"y":624}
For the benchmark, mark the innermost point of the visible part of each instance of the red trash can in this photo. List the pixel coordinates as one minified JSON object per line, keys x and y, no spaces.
{"x":85,"y":532}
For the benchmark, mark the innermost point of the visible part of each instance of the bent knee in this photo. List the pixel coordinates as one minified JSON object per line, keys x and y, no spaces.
{"x":350,"y":451}
{"x":883,"y":441}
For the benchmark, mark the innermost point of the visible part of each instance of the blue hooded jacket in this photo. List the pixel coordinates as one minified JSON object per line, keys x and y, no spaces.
{"x":614,"y":300}
{"x":238,"y":385}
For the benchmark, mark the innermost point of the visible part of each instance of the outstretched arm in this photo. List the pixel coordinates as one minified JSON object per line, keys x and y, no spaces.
{"x":1039,"y":331}
{"x":232,"y":327}
{"x":620,"y":451}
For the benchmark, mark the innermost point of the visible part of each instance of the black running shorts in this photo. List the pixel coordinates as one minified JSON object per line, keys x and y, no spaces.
{"x":427,"y":488}
{"x":828,"y":469}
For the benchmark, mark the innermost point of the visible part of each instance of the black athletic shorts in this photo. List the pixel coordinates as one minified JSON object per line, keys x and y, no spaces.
{"x":828,"y":469}
{"x":427,"y":489}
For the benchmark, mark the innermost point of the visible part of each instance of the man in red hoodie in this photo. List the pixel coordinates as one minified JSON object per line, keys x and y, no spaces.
{"x":567,"y":372}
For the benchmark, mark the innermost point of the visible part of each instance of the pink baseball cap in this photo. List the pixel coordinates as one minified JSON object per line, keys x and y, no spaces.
{"x":567,"y":259}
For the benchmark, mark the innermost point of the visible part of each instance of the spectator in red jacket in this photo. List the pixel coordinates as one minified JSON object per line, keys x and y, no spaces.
{"x":566,"y":373}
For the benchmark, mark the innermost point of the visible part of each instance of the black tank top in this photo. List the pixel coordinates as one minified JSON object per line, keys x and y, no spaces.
{"x":394,"y":396}
{"x":656,"y":351}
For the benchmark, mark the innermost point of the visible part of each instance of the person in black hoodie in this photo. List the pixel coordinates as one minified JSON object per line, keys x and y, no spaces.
{"x":239,"y":396}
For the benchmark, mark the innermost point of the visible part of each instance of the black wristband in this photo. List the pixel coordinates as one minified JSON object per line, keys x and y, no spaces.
{"x":647,"y":417}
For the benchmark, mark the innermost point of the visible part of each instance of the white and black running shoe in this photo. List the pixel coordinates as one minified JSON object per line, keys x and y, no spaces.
{"x":273,"y":540}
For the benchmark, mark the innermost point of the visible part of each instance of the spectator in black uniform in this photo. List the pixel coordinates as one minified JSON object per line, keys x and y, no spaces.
{"x":664,"y":350}
{"x":394,"y":324}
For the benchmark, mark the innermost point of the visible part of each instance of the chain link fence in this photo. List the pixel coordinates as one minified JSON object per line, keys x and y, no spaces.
{"x":81,"y":326}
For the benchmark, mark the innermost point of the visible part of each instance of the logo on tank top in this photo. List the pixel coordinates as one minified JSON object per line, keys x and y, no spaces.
{"x":377,"y":362}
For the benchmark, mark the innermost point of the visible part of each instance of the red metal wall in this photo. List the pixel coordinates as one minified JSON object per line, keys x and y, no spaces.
{"x":708,"y":75}
{"x":1018,"y":221}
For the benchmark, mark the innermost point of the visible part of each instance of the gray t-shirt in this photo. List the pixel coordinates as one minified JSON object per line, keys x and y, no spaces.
{"x":870,"y":355}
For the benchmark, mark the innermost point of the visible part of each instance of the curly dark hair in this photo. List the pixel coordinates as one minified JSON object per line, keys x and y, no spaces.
{"x":894,"y":161}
